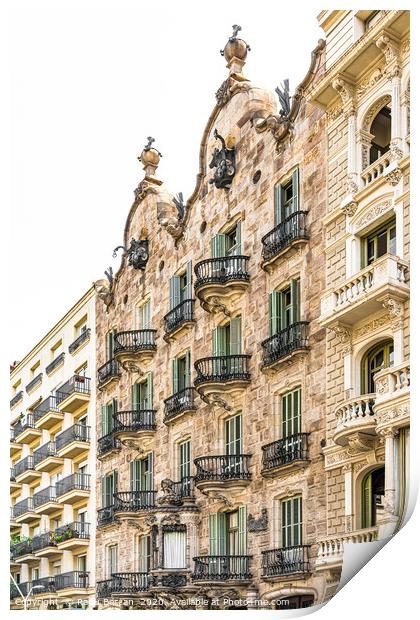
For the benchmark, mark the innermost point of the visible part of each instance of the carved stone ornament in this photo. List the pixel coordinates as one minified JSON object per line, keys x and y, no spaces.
{"x":137,"y":253}
{"x":103,"y":288}
{"x":395,"y":311}
{"x":259,"y":524}
{"x":372,"y":214}
{"x":349,"y":208}
{"x":388,"y":47}
{"x":395,"y":152}
{"x":169,"y":496}
{"x":393,"y":177}
{"x":223,"y":160}
{"x":343,"y":333}
{"x":215,"y":399}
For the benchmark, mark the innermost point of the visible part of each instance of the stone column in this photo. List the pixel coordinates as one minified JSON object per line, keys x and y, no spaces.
{"x":348,"y":497}
{"x":388,"y":523}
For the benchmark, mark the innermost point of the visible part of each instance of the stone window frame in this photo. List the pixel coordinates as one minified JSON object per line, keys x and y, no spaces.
{"x":220,"y":427}
{"x":354,"y":382}
{"x":297,"y":488}
{"x":366,"y":114}
{"x":357,"y":480}
{"x":177,"y":441}
{"x":277,"y":407}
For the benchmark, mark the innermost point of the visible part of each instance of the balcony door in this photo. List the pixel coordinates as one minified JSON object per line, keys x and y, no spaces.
{"x":110,"y":344}
{"x":143,"y":316}
{"x":181,"y":373}
{"x":286,"y":198}
{"x":227,"y":537}
{"x":112,"y":561}
{"x":291,"y":421}
{"x":284,"y":309}
{"x":185,"y":459}
{"x":142,"y":474}
{"x":233,"y":444}
{"x":291,"y":522}
{"x":227,"y":244}
{"x":144,"y":555}
{"x":373,"y":497}
{"x":109,"y":487}
{"x":227,"y":338}
{"x":142,"y":394}
{"x":107,"y":421}
{"x":180,"y":287}
{"x":379,"y":357}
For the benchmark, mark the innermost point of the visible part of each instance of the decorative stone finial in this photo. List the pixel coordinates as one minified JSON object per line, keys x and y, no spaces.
{"x":235,"y":51}
{"x":150,"y":157}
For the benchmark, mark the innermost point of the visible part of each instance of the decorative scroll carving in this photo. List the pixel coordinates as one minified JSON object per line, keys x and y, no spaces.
{"x":370,"y":81}
{"x":373,"y":213}
{"x":259,"y":524}
{"x":388,"y":47}
{"x":395,"y":312}
{"x":393,"y":177}
{"x":371,"y":326}
{"x":103,"y":288}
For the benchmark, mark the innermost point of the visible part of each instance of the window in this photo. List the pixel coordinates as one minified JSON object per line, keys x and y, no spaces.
{"x":291,"y":413}
{"x":144,"y":554}
{"x":291,"y":522}
{"x":142,"y":394}
{"x":373,"y":18}
{"x":35,"y":370}
{"x":80,"y":327}
{"x":143,"y":315}
{"x":180,"y":287}
{"x":286,"y":198}
{"x":299,"y":601}
{"x":82,"y":370}
{"x":141,"y":473}
{"x":184,"y":459}
{"x":35,"y":574}
{"x":181,"y":373}
{"x":56,"y":568}
{"x":56,"y":349}
{"x":227,"y":338}
{"x":112,"y":560}
{"x":174,"y":549}
{"x":227,"y":532}
{"x":227,"y":244}
{"x":109,"y":487}
{"x":107,"y":422}
{"x":379,"y":357}
{"x":233,"y":434}
{"x":381,"y":131}
{"x":109,"y":345}
{"x":284,"y":307}
{"x":16,"y":387}
{"x":373,"y":491}
{"x":81,"y":563}
{"x":379,"y":242}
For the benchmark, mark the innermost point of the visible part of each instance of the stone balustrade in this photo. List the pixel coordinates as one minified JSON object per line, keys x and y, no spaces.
{"x":330,"y":550}
{"x":375,"y":170}
{"x":353,"y":415}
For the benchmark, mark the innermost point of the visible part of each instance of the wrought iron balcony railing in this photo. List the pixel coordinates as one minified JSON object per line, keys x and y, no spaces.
{"x":24,"y":588}
{"x":135,"y":341}
{"x":48,"y":404}
{"x":133,"y":501}
{"x":35,"y":381}
{"x":223,"y":467}
{"x":27,"y":421}
{"x":128,"y":583}
{"x":285,"y":561}
{"x":221,"y":270}
{"x":222,"y":368}
{"x":182,"y":313}
{"x":76,"y":529}
{"x":12,"y":474}
{"x":46,"y":450}
{"x":73,"y":482}
{"x":222,"y":568}
{"x":291,"y":229}
{"x":184,"y":488}
{"x":286,"y":341}
{"x":106,"y":515}
{"x":76,"y":384}
{"x":26,"y":464}
{"x":44,"y":496}
{"x":179,"y":402}
{"x":107,"y":443}
{"x":20,"y":508}
{"x":20,"y":549}
{"x":133,"y":421}
{"x":56,"y":362}
{"x":16,"y":398}
{"x":285,"y":451}
{"x":43,"y":541}
{"x":110,"y":370}
{"x":79,"y":340}
{"x":104,"y":588}
{"x":44,"y":585}
{"x":77,"y":432}
{"x":72,"y":579}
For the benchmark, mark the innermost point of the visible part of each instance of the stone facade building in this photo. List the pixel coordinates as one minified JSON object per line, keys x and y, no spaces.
{"x":52,"y":453}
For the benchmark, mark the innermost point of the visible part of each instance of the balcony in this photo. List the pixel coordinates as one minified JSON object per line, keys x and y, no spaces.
{"x":15,"y":448}
{"x":364,"y":293}
{"x":331,"y":550}
{"x":179,"y":319}
{"x":45,"y":457}
{"x":44,"y":546}
{"x":73,"y":488}
{"x":288,"y":234}
{"x":72,"y":536}
{"x":25,"y":472}
{"x":222,"y":373}
{"x":284,"y":455}
{"x":56,"y":363}
{"x":219,"y":568}
{"x":106,"y":516}
{"x":25,"y":431}
{"x":129,"y":583}
{"x":281,"y":347}
{"x":24,"y":587}
{"x":108,"y":373}
{"x":136,"y":427}
{"x":278,"y":564}
{"x":80,"y":340}
{"x":178,"y":404}
{"x":22,"y":552}
{"x":44,"y":586}
{"x":45,"y":501}
{"x":16,"y":399}
{"x":376,"y":170}
{"x":73,"y":580}
{"x":73,"y":394}
{"x":32,"y":385}
{"x":221,"y":281}
{"x":227,"y":471}
{"x":392,"y":402}
{"x":15,"y":487}
{"x":134,"y":348}
{"x":104,"y":588}
{"x":73,"y":441}
{"x":356,"y":420}
{"x":47,"y":414}
{"x":108,"y":445}
{"x":24,"y":512}
{"x":130,"y":503}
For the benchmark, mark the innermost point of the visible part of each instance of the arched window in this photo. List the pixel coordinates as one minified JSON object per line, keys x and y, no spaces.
{"x":299,"y":601}
{"x":377,"y":358}
{"x":373,"y":491}
{"x":381,"y":131}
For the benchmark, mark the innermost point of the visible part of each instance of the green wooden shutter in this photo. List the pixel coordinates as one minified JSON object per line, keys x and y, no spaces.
{"x":149,"y":388}
{"x":367,"y":502}
{"x":295,"y":185}
{"x":277,"y":204}
{"x":114,"y":482}
{"x":174,"y":292}
{"x":213,"y":534}
{"x":242,"y":530}
{"x":238,"y":248}
{"x":103,"y":484}
{"x":295,"y":296}
{"x":149,"y":472}
{"x":221,"y":533}
{"x":189,"y":280}
{"x":235,"y":336}
{"x":188,"y":369}
{"x":135,"y":397}
{"x":218,"y":246}
{"x":104,"y":421}
{"x":174,"y":376}
{"x":219,"y":340}
{"x":275,"y":312}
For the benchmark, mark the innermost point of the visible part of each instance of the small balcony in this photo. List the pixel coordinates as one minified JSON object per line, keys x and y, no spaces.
{"x":16,"y":399}
{"x":22,"y":552}
{"x":331,"y":550}
{"x":222,"y":374}
{"x":25,"y":431}
{"x":34,"y":384}
{"x":73,"y":488}
{"x":47,"y":414}
{"x":221,"y":568}
{"x":15,"y":448}
{"x":392,"y":387}
{"x":137,"y":427}
{"x":227,"y":471}
{"x":221,"y":281}
{"x":177,"y":494}
{"x":108,"y":445}
{"x":106,"y":516}
{"x":278,"y":564}
{"x":44,"y":586}
{"x":376,"y":170}
{"x":45,"y":457}
{"x":355,"y":420}
{"x":25,"y":472}
{"x":288,"y":234}
{"x":284,"y":455}
{"x":73,"y":442}
{"x":364,"y":293}
{"x":104,"y":588}
{"x":129,"y":503}
{"x":15,"y":487}
{"x":24,"y":587}
{"x":281,"y":347}
{"x":73,"y":394}
{"x":128,"y":583}
{"x":72,"y":536}
{"x":179,"y":403}
{"x":134,"y":348}
{"x":44,"y":546}
{"x":108,"y":373}
{"x":24,"y":512}
{"x":74,"y":580}
{"x":45,"y":501}
{"x":179,"y":319}
{"x":56,"y":363}
{"x":79,"y":342}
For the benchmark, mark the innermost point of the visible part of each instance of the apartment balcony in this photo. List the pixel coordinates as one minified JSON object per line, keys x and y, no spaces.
{"x":45,"y":501}
{"x":25,"y":431}
{"x":34,"y":384}
{"x":221,"y":281}
{"x":108,"y":445}
{"x":163,"y":579}
{"x":130,"y":503}
{"x":22,"y":552}
{"x":136,"y":427}
{"x":15,"y":447}
{"x":222,"y":374}
{"x":46,"y":458}
{"x":15,"y":487}
{"x":56,"y":363}
{"x":14,"y":525}
{"x":331,"y":550}
{"x":24,"y":588}
{"x":134,"y":348}
{"x":364,"y":293}
{"x":73,"y":488}
{"x":104,"y":588}
{"x":287,"y":235}
{"x":25,"y":472}
{"x":44,"y":546}
{"x":47,"y":414}
{"x":73,"y":394}
{"x":72,"y":536}
{"x":80,"y":341}
{"x":179,"y":403}
{"x":16,"y":399}
{"x":43,"y":586}
{"x":285,"y":455}
{"x":374,"y":174}
{"x":284,"y":345}
{"x":106,"y":516}
{"x":222,"y":568}
{"x":24,"y":511}
{"x":356,"y":421}
{"x":70,"y":583}
{"x":129,"y":583}
{"x":222,"y":472}
{"x":179,"y":319}
{"x":392,"y":401}
{"x":287,"y":562}
{"x":73,"y":442}
{"x":108,"y":373}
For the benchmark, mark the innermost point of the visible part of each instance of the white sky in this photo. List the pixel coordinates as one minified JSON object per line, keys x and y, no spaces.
{"x":90,"y":80}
